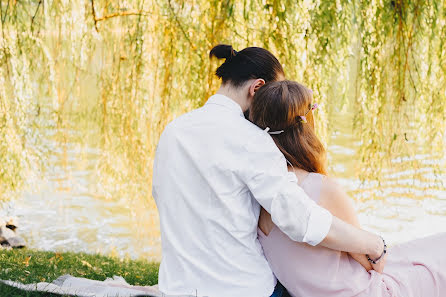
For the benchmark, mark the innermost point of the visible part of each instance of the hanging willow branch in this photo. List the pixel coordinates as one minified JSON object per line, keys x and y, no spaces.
{"x":3,"y":17}
{"x":119,"y":14}
{"x":35,"y":14}
{"x":114,"y":15}
{"x":175,"y":17}
{"x":94,"y":16}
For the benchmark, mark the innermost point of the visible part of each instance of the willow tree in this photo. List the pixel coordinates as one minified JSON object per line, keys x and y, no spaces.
{"x":118,"y":71}
{"x":401,"y":90}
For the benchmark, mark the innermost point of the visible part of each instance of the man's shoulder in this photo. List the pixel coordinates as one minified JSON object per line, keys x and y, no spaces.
{"x":236,"y":128}
{"x":256,"y":141}
{"x":181,"y":120}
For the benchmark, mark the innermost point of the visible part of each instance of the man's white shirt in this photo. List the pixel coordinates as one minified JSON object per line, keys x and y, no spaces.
{"x":212,"y":171}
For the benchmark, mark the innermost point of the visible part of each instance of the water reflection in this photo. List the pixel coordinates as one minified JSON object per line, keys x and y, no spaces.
{"x":66,"y":213}
{"x":69,"y":211}
{"x":407,"y":201}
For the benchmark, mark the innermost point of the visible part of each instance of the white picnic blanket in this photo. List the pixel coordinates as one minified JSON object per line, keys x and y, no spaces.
{"x":82,"y":287}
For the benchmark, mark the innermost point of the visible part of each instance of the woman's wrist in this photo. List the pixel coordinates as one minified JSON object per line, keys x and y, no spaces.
{"x":378,"y":251}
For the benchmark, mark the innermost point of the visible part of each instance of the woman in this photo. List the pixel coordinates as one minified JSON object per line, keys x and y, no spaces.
{"x":415,"y":269}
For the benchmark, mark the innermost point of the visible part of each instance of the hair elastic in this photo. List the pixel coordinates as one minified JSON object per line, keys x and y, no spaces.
{"x":273,"y":132}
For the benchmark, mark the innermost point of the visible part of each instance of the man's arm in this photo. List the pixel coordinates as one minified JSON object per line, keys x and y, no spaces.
{"x":265,"y":173}
{"x":335,"y":199}
{"x":347,"y":238}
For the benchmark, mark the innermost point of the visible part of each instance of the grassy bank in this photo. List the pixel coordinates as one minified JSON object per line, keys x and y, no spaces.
{"x":30,"y":266}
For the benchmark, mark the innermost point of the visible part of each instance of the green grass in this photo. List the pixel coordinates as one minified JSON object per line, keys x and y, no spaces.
{"x":31,"y":266}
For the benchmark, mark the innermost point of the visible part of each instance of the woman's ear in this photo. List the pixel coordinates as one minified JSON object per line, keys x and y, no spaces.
{"x":255,"y":86}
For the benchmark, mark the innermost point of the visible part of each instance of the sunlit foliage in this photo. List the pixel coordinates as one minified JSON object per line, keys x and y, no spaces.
{"x":111,"y":74}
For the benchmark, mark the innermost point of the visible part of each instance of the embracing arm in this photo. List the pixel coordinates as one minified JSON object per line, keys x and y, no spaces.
{"x":263,"y":169}
{"x":334,"y":199}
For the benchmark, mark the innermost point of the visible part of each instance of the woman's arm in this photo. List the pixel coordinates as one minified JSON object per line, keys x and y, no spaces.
{"x":334,"y":199}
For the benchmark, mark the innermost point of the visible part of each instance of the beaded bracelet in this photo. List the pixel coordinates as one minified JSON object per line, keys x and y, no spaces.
{"x":379,"y":258}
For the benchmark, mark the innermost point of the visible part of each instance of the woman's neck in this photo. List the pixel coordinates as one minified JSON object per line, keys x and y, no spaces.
{"x":300,"y":174}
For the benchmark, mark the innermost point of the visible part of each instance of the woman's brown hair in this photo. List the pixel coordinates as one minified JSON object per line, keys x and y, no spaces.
{"x":279,"y":105}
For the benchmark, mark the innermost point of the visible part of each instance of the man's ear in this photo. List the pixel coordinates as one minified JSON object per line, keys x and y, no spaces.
{"x":255,"y":86}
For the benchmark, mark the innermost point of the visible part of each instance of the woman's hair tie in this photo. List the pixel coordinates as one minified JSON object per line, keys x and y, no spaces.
{"x":299,"y":119}
{"x":303,"y":119}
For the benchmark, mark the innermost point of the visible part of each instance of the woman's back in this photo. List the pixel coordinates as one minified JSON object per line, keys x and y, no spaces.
{"x":316,"y":271}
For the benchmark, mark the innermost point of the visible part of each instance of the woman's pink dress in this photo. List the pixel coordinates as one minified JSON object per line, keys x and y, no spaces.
{"x":413,"y":269}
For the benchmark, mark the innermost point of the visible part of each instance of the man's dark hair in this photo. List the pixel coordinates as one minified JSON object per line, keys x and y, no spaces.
{"x":250,"y":63}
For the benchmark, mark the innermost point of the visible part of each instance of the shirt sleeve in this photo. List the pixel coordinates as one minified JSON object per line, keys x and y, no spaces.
{"x":265,"y":173}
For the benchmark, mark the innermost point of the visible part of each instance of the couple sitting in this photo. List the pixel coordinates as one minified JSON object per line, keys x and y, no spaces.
{"x":246,"y":209}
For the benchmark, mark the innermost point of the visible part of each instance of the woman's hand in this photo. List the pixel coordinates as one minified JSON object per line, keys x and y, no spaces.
{"x":379,"y":267}
{"x":381,"y":252}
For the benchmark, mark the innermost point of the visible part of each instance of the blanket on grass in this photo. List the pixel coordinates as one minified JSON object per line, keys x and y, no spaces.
{"x":82,"y":287}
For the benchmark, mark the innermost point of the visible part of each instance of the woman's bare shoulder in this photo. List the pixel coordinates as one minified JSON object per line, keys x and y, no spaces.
{"x":331,"y":188}
{"x":334,"y":198}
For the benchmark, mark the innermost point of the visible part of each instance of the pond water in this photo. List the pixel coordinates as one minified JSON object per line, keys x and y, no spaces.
{"x":62,"y":211}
